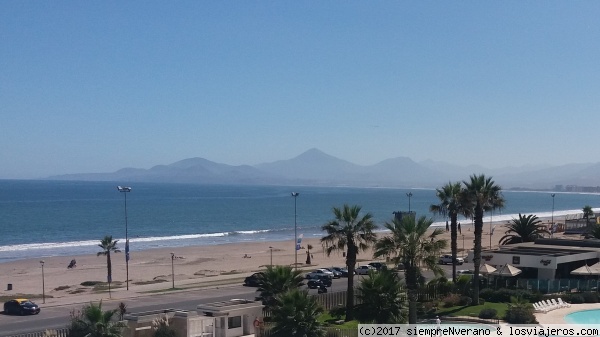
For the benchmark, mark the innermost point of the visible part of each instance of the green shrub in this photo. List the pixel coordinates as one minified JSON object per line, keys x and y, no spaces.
{"x":520,"y":314}
{"x":90,"y":283}
{"x":451,"y":300}
{"x":504,"y":295}
{"x":465,"y":300}
{"x":577,"y":299}
{"x":338,"y":312}
{"x":590,"y":297}
{"x":481,"y":301}
{"x":488,"y":313}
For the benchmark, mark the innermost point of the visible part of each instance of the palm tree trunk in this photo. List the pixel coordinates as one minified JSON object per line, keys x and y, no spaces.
{"x":477,"y":251}
{"x":411,"y":275}
{"x":109,"y":267}
{"x":453,"y":242}
{"x":351,"y":264}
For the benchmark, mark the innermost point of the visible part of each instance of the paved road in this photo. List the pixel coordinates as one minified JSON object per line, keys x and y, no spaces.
{"x":53,"y":317}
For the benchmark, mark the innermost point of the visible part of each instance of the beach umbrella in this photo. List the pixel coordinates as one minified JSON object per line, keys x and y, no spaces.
{"x":486,"y":269}
{"x":507,"y":270}
{"x":587,"y":270}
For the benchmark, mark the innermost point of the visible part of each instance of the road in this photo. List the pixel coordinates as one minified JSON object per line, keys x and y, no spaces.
{"x":58,"y":316}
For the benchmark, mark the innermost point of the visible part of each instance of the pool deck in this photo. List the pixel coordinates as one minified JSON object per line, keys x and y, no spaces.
{"x":557,"y":316}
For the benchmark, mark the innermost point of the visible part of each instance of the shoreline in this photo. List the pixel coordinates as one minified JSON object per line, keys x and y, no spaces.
{"x":151,"y":269}
{"x":19,"y":252}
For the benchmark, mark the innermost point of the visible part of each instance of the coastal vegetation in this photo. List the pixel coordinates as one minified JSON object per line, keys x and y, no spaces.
{"x":92,"y":321}
{"x":482,"y":195}
{"x":526,"y":228}
{"x":296,"y":314}
{"x":276,"y":280}
{"x":350,"y":233}
{"x":382,"y":297}
{"x":411,"y":245}
{"x":453,"y":203}
{"x":108,"y":246}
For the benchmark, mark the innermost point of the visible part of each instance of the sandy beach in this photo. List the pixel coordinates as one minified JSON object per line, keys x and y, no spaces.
{"x":194,"y":266}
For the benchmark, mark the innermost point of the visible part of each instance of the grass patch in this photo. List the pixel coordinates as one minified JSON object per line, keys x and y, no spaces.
{"x":473,"y":311}
{"x":90,"y":283}
{"x":4,"y":298}
{"x":141,"y":283}
{"x":61,"y":288}
{"x":103,"y":286}
{"x":330,"y":321}
{"x":78,"y":291}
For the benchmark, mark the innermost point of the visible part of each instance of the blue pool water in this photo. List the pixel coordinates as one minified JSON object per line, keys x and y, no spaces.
{"x":584,"y":317}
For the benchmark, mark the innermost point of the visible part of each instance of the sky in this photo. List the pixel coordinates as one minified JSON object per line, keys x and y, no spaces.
{"x":95,"y":86}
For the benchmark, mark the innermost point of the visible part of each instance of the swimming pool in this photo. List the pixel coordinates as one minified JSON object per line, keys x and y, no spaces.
{"x":591,"y":316}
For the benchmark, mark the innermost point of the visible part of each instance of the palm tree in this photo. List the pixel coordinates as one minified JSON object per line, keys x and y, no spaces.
{"x":452,"y":203}
{"x":412,"y":245}
{"x":308,"y":248}
{"x":587,"y":213}
{"x":296,"y":315}
{"x":277,"y":280}
{"x":93,"y":322}
{"x":596,"y":231}
{"x":483,"y":195}
{"x":382,"y":299}
{"x":108,"y":245}
{"x":526,"y":228}
{"x":353,"y":233}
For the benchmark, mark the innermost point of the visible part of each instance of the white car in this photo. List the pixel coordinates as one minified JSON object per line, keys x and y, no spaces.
{"x":447,"y":259}
{"x":364,"y":270}
{"x":319,"y":273}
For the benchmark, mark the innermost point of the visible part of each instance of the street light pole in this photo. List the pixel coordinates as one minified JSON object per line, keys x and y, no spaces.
{"x":271,"y":248}
{"x":126,"y":190}
{"x":295,"y":195}
{"x":552,"y":195}
{"x":409,"y":195}
{"x":173,"y":269}
{"x":43,"y":283}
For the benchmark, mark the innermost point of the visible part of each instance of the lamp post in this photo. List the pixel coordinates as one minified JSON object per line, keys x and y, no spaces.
{"x":173,"y":269}
{"x":295,"y":195}
{"x":409,"y":195}
{"x":552,"y":195}
{"x":43,"y":283}
{"x":125,"y":190}
{"x":271,"y":248}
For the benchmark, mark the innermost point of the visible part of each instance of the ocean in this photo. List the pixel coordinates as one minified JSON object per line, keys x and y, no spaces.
{"x":65,"y":218}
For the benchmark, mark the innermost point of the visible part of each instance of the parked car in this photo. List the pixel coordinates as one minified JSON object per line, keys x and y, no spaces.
{"x":317,"y":282}
{"x":317,"y":272}
{"x":343,"y":271}
{"x":21,"y":306}
{"x":252,"y":280}
{"x":364,"y":270}
{"x":336,"y":273}
{"x":378,"y":265}
{"x":447,"y":259}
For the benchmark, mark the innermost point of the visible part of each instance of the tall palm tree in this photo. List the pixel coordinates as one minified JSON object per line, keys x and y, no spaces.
{"x":277,"y":280}
{"x":308,"y":248}
{"x":587,"y":213}
{"x":484,"y":196}
{"x":452,"y":204}
{"x":352,"y":233}
{"x":410,"y":244}
{"x":526,"y":228}
{"x":296,"y":315}
{"x":94,"y":322}
{"x":382,"y":299}
{"x":108,"y":246}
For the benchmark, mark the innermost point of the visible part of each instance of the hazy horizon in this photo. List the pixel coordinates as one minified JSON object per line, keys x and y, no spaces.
{"x":96,"y":87}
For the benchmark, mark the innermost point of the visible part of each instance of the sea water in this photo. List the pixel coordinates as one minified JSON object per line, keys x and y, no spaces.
{"x":61,"y":218}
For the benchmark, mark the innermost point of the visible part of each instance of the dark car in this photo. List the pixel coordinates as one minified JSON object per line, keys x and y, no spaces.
{"x":336,"y":273}
{"x":343,"y":271}
{"x":378,"y":265}
{"x":319,"y":282}
{"x":252,"y":280}
{"x":21,"y":306}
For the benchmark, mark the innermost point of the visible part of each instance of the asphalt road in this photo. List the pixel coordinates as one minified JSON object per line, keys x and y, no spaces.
{"x":58,"y":316}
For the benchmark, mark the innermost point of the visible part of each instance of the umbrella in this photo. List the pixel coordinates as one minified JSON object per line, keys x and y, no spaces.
{"x":507,"y":270}
{"x":587,"y":270}
{"x":486,"y":269}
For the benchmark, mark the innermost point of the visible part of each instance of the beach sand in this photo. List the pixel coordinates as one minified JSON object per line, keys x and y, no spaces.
{"x":194,"y":267}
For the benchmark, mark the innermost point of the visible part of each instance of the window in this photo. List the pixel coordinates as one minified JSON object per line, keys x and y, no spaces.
{"x":234,"y":322}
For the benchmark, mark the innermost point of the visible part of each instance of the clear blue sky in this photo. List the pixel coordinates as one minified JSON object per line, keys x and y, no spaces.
{"x":94,"y":86}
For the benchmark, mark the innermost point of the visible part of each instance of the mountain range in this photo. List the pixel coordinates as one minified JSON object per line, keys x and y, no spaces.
{"x":317,"y":168}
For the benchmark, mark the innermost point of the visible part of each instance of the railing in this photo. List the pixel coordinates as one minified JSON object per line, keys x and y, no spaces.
{"x":48,"y":333}
{"x":558,"y":285}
